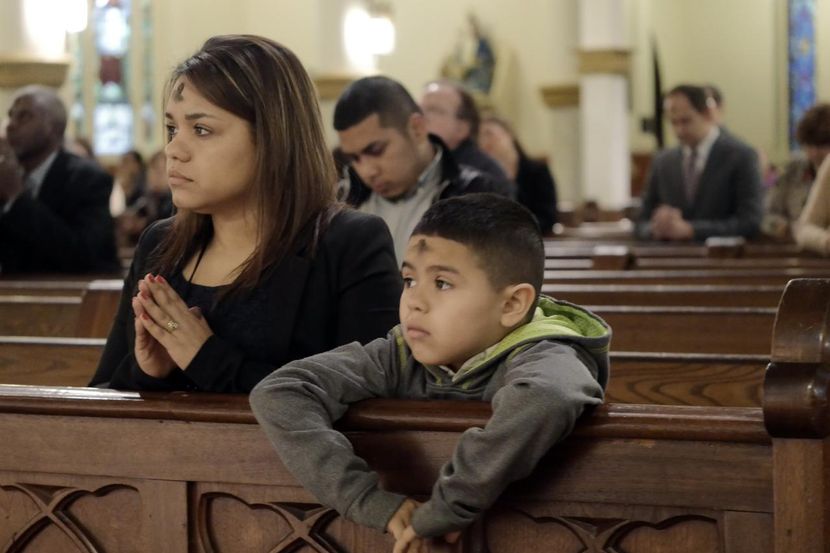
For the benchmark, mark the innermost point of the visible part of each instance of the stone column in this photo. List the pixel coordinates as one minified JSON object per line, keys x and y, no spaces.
{"x":603,"y":94}
{"x":32,"y":47}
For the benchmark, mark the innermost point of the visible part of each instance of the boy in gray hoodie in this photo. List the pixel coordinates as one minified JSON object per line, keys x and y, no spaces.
{"x":473,"y":326}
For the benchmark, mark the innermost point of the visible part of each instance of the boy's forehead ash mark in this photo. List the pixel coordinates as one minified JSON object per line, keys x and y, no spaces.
{"x":422,"y":245}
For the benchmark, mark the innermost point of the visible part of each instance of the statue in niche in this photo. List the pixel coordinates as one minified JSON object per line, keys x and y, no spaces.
{"x":472,"y":61}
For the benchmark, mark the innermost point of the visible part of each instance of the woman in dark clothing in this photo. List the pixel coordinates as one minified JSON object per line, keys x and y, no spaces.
{"x":259,"y":266}
{"x":536,"y":187}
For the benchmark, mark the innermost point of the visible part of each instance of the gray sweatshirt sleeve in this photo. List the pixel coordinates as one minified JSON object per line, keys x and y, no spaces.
{"x":546,"y":389}
{"x":296,"y":406}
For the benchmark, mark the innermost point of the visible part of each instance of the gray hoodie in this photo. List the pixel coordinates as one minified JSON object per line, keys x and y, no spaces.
{"x":539,"y":378}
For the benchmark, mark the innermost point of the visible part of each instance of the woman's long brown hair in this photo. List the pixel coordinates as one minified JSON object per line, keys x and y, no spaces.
{"x":265,"y":84}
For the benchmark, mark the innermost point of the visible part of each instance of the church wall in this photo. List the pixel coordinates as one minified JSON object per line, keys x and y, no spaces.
{"x":738,"y":44}
{"x":537,"y":49}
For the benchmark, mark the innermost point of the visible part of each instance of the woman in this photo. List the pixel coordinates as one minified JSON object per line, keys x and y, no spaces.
{"x":259,"y":266}
{"x":812,"y":232}
{"x":786,"y":200}
{"x":536,"y":187}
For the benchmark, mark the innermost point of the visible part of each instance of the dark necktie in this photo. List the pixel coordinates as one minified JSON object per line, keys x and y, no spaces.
{"x":690,"y":176}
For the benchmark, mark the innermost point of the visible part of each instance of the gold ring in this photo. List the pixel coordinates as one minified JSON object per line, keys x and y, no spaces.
{"x":172,"y":325}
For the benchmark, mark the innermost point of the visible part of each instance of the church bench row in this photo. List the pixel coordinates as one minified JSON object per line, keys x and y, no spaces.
{"x":189,"y":472}
{"x":596,"y":294}
{"x":171,"y":473}
{"x":637,"y":328}
{"x":682,"y":329}
{"x":761,"y":277}
{"x":712,"y":248}
{"x":39,"y":315}
{"x":711,"y":295}
{"x":88,"y":314}
{"x":636,"y":377}
{"x":632,"y":263}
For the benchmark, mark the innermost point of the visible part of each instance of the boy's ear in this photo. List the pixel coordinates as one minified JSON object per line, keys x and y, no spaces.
{"x":518,"y":299}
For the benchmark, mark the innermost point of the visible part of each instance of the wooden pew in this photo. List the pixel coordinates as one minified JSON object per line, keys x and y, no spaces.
{"x":637,"y":377}
{"x":728,"y":380}
{"x":678,"y":329}
{"x":774,"y":277}
{"x":559,"y":248}
{"x":98,"y":308}
{"x":89,"y":314}
{"x":44,"y":287}
{"x":699,"y":295}
{"x":162,"y":461}
{"x":189,"y":472}
{"x":185,"y":472}
{"x":49,"y":361}
{"x":39,"y":316}
{"x":632,"y":263}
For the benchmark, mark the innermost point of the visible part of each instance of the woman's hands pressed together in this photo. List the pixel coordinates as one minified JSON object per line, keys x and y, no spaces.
{"x":168,"y":333}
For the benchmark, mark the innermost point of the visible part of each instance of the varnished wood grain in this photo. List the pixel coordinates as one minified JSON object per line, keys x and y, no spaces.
{"x":702,"y":295}
{"x":730,"y":330}
{"x":686,"y":379}
{"x":39,"y":316}
{"x":48,"y":361}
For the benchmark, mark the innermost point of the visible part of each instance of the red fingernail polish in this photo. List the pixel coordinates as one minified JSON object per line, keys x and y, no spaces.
{"x":161,"y":279}
{"x":145,"y":316}
{"x":144,"y":295}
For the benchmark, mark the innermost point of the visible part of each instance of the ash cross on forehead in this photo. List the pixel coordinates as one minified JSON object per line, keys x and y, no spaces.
{"x":422,"y":245}
{"x":177,"y":94}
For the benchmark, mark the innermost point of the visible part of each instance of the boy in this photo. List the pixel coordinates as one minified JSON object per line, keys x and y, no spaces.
{"x":472,"y":327}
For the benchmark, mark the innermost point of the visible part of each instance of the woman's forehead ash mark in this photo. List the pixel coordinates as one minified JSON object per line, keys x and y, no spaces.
{"x":177,"y":94}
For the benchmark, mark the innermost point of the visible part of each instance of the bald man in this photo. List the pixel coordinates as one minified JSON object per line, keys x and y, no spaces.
{"x":451,"y":113}
{"x":54,"y":206}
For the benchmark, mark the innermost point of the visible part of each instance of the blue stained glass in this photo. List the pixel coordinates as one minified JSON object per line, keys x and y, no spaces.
{"x":802,"y":61}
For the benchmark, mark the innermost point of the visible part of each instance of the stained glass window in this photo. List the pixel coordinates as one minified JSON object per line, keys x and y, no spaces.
{"x":802,"y":61}
{"x":112,"y":82}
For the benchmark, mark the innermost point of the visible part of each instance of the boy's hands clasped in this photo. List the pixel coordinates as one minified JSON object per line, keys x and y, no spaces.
{"x":168,"y":333}
{"x":407,"y":541}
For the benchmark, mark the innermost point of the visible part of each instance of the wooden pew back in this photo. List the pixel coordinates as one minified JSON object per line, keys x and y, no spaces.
{"x":198,"y":474}
{"x":88,"y":312}
{"x":742,"y":330}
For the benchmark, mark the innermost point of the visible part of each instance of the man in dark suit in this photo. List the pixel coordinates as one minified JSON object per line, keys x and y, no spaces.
{"x":709,"y":185}
{"x":54,"y":206}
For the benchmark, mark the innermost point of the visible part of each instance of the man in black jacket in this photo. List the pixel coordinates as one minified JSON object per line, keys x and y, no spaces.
{"x":396,"y":169}
{"x":54,"y":206}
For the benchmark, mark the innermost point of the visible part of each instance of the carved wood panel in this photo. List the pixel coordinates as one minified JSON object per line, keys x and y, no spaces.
{"x":71,"y":513}
{"x":229,"y":518}
{"x":510,"y":530}
{"x":43,"y":518}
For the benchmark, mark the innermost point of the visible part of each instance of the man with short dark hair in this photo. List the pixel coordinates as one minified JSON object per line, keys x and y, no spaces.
{"x":396,"y":168}
{"x":54,"y":206}
{"x":452,"y":114}
{"x":709,"y":185}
